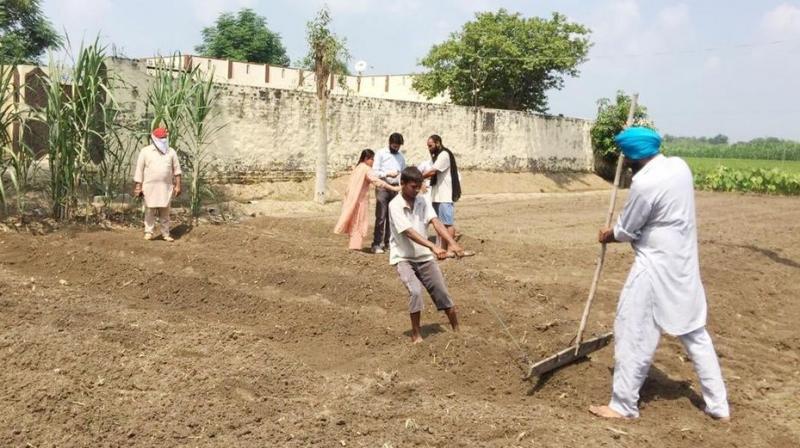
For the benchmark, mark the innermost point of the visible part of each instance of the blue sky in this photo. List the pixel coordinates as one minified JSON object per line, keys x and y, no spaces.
{"x":701,"y":68}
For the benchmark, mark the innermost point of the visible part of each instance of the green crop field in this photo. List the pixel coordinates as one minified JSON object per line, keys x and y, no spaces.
{"x":706,"y":164}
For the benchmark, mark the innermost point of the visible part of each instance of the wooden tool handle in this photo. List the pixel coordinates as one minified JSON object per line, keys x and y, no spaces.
{"x":601,"y":257}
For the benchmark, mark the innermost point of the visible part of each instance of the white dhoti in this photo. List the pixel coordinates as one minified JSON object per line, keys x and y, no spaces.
{"x":637,"y":334}
{"x":156,"y":172}
{"x":150,"y":219}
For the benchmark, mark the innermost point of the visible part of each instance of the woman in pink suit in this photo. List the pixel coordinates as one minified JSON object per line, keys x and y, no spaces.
{"x":353,"y":220}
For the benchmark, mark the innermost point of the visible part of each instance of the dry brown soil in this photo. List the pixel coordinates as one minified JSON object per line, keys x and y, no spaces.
{"x":270,"y":333}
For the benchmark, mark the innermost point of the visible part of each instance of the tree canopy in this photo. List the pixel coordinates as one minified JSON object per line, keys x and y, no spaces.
{"x":25,"y":33}
{"x":245,"y":37}
{"x":504,"y":60}
{"x":325,"y":47}
{"x":610,"y":121}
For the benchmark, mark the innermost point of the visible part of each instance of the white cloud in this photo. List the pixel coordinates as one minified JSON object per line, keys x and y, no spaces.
{"x":208,"y":10}
{"x":404,"y":6}
{"x":782,"y":22}
{"x":614,"y":24}
{"x":349,"y":6}
{"x":473,"y":6}
{"x":81,"y":14}
{"x":674,"y":17}
{"x":712,"y":63}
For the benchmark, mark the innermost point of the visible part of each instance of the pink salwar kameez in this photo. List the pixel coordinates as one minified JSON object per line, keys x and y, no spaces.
{"x":353,"y":220}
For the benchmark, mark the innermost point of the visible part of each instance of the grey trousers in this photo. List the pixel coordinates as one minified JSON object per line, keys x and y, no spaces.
{"x":427,"y":275}
{"x":381,"y":234}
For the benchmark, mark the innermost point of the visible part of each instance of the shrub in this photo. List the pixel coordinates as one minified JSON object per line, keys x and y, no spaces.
{"x":759,"y":180}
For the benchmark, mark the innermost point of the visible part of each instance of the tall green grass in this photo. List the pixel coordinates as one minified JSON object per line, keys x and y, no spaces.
{"x":17,"y":164}
{"x":78,"y":115}
{"x":8,"y":115}
{"x":184,"y":102}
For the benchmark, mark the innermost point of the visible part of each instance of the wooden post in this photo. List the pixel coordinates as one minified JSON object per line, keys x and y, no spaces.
{"x":301,"y":79}
{"x":266,"y":74}
{"x":187,"y":62}
{"x":230,"y":69}
{"x":332,"y":81}
{"x":386,"y":87}
{"x":601,"y":257}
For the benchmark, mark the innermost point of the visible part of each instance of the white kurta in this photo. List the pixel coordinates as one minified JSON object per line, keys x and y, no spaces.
{"x":443,"y":190}
{"x":663,"y":291}
{"x":659,"y":221}
{"x":156,"y":172}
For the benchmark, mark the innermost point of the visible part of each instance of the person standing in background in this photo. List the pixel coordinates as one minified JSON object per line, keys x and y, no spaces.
{"x":353,"y":219}
{"x":158,"y":179}
{"x":389,"y":162}
{"x":445,"y":184}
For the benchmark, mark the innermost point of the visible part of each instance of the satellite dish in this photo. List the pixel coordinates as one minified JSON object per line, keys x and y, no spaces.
{"x":361,"y":66}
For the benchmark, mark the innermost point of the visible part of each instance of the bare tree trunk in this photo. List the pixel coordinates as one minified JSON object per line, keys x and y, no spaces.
{"x":322,"y":151}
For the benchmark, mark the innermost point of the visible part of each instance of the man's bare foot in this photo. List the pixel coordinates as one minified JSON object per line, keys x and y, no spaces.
{"x":605,"y":412}
{"x":416,"y":339}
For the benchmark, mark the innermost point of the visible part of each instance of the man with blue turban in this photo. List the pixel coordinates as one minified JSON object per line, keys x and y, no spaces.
{"x":663,"y":292}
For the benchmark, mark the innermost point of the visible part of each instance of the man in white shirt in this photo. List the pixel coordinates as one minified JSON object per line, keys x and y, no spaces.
{"x":445,"y":184}
{"x":663,"y":292}
{"x":389,"y":162}
{"x":412,"y":253}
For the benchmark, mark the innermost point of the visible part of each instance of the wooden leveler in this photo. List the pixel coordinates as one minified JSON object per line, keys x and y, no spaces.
{"x":581,"y":347}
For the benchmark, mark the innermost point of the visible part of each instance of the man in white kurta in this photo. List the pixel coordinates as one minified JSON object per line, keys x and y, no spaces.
{"x":158,"y":178}
{"x":663,"y":292}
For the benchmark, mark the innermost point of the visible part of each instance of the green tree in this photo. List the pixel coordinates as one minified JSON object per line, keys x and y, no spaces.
{"x":243,"y":36}
{"x":326,"y":53}
{"x":25,"y":33}
{"x":318,"y":36}
{"x":504,"y":60}
{"x":611,"y":118}
{"x":719,"y":139}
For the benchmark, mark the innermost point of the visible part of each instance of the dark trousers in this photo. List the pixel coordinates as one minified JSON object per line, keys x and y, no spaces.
{"x":382,"y":232}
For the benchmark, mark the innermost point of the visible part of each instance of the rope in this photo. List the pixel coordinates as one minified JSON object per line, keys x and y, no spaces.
{"x":493,"y":310}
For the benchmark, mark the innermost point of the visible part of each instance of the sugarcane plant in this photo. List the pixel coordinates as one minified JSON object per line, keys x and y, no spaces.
{"x":183,"y":100}
{"x":8,"y":115}
{"x":202,"y":127}
{"x":17,"y":161}
{"x":167,"y":98}
{"x":112,"y":173}
{"x":79,"y":100}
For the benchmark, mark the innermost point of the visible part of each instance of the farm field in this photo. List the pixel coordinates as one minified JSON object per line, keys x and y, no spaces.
{"x":699,"y":164}
{"x":270,"y":333}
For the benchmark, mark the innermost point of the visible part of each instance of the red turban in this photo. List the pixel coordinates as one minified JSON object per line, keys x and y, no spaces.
{"x":160,"y":132}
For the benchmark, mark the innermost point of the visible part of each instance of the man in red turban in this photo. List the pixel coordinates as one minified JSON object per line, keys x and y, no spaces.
{"x":158,"y":179}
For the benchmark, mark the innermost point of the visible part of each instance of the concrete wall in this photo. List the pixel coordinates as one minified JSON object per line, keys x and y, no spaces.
{"x":395,"y":87}
{"x":270,"y":134}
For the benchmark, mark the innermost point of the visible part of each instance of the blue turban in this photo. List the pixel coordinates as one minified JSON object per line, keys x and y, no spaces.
{"x":638,"y":142}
